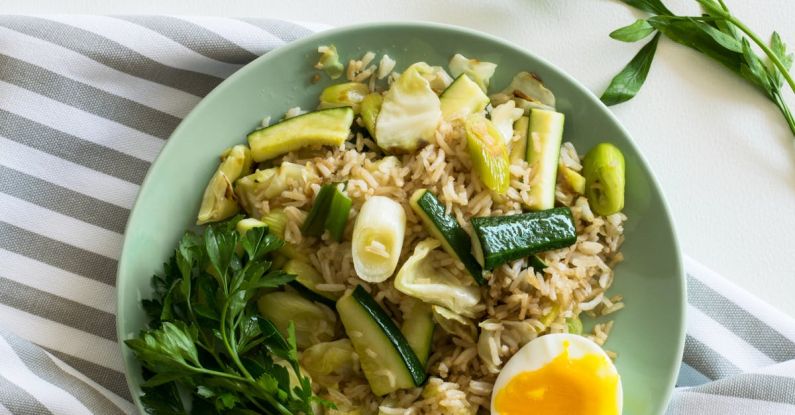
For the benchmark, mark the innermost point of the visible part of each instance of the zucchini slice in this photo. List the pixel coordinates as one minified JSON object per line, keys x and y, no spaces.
{"x":418,"y":326}
{"x":370,"y":107}
{"x":306,"y":278}
{"x":323,"y":127}
{"x":461,"y":98}
{"x":543,"y":152}
{"x":519,"y":148}
{"x":505,"y":238}
{"x":447,"y":230}
{"x":387,"y":359}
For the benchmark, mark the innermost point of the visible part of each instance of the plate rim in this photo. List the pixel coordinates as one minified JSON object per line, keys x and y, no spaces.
{"x":402,"y":25}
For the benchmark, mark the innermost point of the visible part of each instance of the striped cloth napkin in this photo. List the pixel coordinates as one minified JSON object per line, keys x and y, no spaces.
{"x":87,"y":102}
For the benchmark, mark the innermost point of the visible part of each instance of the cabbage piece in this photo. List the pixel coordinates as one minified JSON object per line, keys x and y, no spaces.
{"x":489,"y":346}
{"x":421,"y":279}
{"x":528,"y":92}
{"x":329,"y":358}
{"x":410,"y":111}
{"x":219,"y":200}
{"x":314,"y":323}
{"x":503,"y":116}
{"x":479,"y":71}
{"x":454,"y":324}
{"x":266,"y":184}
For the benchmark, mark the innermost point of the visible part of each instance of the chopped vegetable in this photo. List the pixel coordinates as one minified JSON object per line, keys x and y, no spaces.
{"x":543,"y":153}
{"x":276,"y":220}
{"x":219,"y":201}
{"x":348,"y":94}
{"x":461,"y":98}
{"x":603,"y":168}
{"x":306,"y":280}
{"x":266,"y":184}
{"x":247,"y":224}
{"x":488,"y":152}
{"x":418,"y":329}
{"x":519,"y":148}
{"x":322,"y":127}
{"x":314,"y":323}
{"x":421,"y":279}
{"x":536,"y":262}
{"x":574,"y":325}
{"x":370,"y":107}
{"x":329,"y":358}
{"x":527,"y":90}
{"x":378,"y":238}
{"x":438,"y":79}
{"x":410,"y":112}
{"x":575,"y":180}
{"x":479,"y":71}
{"x":454,"y":324}
{"x":447,"y":230}
{"x":499,"y":239}
{"x":503,"y":116}
{"x":330,"y":211}
{"x":387,"y":360}
{"x":329,"y":61}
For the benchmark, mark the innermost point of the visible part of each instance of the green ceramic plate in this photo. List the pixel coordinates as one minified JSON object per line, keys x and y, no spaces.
{"x":648,"y":334}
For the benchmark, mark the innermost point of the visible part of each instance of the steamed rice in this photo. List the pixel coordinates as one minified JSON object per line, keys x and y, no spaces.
{"x":519,"y":304}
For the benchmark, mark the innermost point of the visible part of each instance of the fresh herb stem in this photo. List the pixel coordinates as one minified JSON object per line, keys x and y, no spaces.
{"x":762,"y":45}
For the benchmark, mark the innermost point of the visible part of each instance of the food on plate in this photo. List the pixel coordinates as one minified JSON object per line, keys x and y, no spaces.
{"x":414,"y":244}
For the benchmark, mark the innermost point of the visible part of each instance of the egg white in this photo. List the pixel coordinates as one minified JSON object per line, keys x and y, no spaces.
{"x":542,"y":350}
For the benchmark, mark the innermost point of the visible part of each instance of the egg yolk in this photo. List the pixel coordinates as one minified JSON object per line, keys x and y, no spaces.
{"x":564,"y":386}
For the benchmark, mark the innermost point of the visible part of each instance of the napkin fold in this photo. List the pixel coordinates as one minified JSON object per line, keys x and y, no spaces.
{"x":86,"y":103}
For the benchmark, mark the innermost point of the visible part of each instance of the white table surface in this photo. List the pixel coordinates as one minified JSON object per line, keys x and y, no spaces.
{"x":720,"y":149}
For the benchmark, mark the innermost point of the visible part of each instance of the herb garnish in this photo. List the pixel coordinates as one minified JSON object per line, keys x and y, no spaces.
{"x":207,"y":337}
{"x":716,"y":33}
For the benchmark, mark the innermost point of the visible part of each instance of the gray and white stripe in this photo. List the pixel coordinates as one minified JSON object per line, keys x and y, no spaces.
{"x":86,"y":104}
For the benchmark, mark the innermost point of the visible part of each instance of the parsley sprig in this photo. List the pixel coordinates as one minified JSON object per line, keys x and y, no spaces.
{"x":718,"y":34}
{"x":206,"y":336}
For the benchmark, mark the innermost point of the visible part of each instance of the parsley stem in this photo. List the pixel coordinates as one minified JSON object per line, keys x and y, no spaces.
{"x":762,"y":45}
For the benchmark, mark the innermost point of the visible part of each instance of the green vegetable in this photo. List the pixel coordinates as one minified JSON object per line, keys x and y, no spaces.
{"x":634,"y":32}
{"x":718,"y":34}
{"x":519,"y":148}
{"x":461,"y":98}
{"x":348,"y":94}
{"x":574,"y":179}
{"x":378,"y":238}
{"x":266,"y":184}
{"x":306,"y":279}
{"x":219,"y":201}
{"x":478,"y":71}
{"x":543,"y":153}
{"x":409,"y":113}
{"x":206,"y":336}
{"x":603,"y":168}
{"x":322,"y":127}
{"x":421,"y":278}
{"x":500,"y":239}
{"x":370,"y":107}
{"x":418,"y":329}
{"x":387,"y":360}
{"x":488,"y":153}
{"x":447,"y":230}
{"x":328,"y":358}
{"x":330,"y":211}
{"x":536,"y":263}
{"x":527,"y":91}
{"x":574,"y":325}
{"x":329,"y":61}
{"x":313,"y":323}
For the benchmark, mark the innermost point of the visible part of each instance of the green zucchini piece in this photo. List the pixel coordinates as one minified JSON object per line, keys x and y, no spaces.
{"x":603,"y":168}
{"x":575,"y":180}
{"x":314,"y":323}
{"x":306,"y":278}
{"x":370,"y":107}
{"x":348,"y":94}
{"x":506,"y":238}
{"x":323,"y":127}
{"x":519,"y":148}
{"x":461,"y":98}
{"x":543,"y":151}
{"x":418,"y":326}
{"x":447,"y":230}
{"x":386,"y":358}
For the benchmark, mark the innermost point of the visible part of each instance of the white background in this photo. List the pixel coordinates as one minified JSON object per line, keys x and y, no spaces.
{"x":722,"y":152}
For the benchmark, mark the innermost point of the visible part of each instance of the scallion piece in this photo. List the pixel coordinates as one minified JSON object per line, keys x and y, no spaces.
{"x":330,"y":211}
{"x":337,"y":218}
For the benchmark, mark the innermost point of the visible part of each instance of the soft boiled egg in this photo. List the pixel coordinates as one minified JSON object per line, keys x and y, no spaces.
{"x":558,"y":374}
